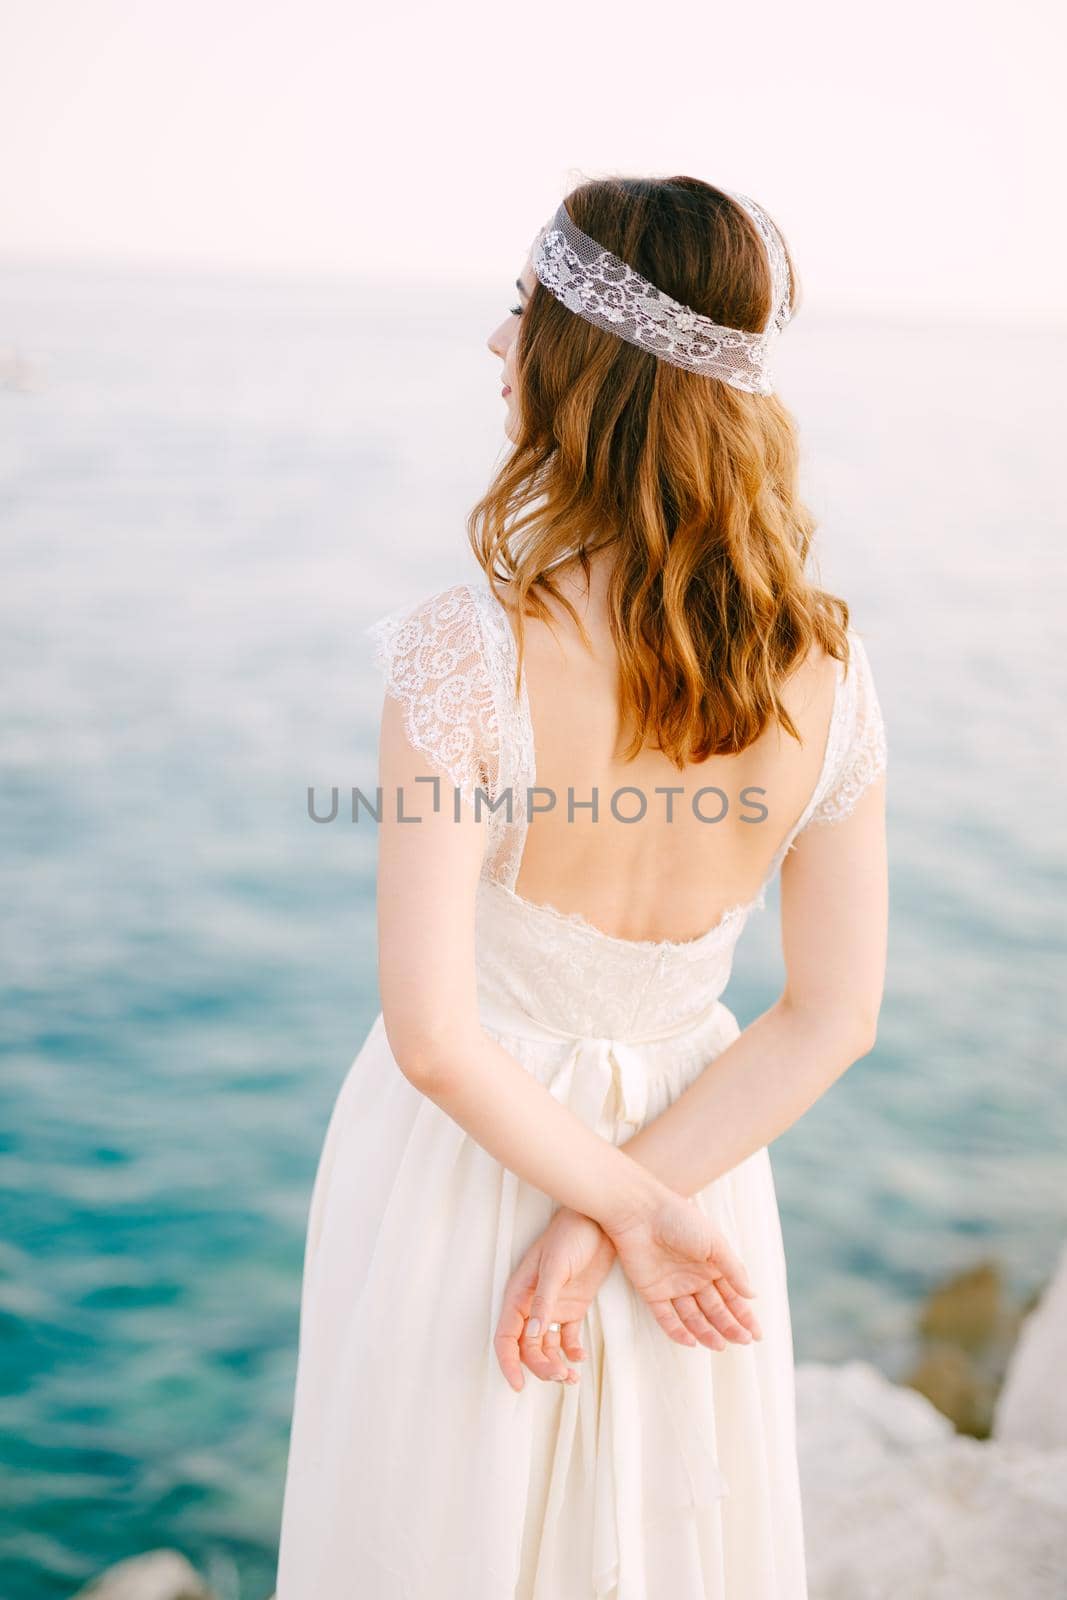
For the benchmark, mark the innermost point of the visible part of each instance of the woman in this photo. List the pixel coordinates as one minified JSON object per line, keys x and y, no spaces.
{"x":549,"y":1159}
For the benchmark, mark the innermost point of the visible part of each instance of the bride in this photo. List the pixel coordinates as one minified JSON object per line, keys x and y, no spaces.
{"x":545,"y":1344}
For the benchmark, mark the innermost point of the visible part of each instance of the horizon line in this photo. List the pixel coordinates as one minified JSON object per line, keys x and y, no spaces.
{"x":281,"y":274}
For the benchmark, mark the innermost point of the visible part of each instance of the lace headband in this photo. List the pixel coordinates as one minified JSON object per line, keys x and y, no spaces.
{"x":598,"y":286}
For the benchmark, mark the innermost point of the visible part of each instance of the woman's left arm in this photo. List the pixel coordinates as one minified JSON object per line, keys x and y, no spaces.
{"x":429,"y":864}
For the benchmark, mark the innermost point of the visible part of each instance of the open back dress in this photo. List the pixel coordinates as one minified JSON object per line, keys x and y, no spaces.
{"x":415,"y":1471}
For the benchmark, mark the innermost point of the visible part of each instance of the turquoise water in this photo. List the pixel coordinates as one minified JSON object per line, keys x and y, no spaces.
{"x":210,"y":490}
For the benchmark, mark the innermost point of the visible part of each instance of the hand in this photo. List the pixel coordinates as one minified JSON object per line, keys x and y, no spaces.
{"x":556,"y":1281}
{"x":683,"y":1267}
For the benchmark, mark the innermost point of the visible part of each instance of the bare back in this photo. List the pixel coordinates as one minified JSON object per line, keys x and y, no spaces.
{"x":651,"y":865}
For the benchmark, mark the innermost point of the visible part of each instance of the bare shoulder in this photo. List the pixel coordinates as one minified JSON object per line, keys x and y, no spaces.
{"x":810,"y":687}
{"x":554,"y":637}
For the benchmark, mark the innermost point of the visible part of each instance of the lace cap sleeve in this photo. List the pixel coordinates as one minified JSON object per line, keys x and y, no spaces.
{"x":863,"y":743}
{"x":433,"y":661}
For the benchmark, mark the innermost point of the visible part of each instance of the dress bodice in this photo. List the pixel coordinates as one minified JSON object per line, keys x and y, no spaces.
{"x":452,"y":662}
{"x":556,"y":966}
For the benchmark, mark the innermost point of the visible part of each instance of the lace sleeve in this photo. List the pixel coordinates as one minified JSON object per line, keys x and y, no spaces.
{"x":864,"y":752}
{"x":432,"y":658}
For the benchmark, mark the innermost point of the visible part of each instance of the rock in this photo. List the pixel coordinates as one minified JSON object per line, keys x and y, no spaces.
{"x":896,"y":1503}
{"x":854,"y":1407}
{"x":968,"y":1332}
{"x":156,"y":1575}
{"x":951,"y":1381}
{"x":967,"y":1309}
{"x":1032,"y":1405}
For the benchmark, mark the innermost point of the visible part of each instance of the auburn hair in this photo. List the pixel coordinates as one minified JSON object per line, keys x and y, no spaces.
{"x":691,"y":481}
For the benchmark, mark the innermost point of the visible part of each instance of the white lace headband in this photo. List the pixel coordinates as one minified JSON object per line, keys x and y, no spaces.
{"x":598,"y":286}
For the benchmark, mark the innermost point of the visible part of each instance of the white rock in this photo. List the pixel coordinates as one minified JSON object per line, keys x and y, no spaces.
{"x":1032,"y":1405}
{"x":156,"y":1575}
{"x":897,"y":1504}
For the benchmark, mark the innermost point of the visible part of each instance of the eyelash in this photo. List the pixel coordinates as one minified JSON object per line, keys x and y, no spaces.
{"x":516,"y":311}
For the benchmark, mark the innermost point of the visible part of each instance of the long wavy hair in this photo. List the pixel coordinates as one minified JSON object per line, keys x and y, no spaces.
{"x":692,"y":482}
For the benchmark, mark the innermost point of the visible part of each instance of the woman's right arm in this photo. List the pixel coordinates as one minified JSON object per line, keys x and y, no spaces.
{"x":835,"y":913}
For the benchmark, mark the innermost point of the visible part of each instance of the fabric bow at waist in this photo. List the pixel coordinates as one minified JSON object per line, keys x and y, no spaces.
{"x":603,"y":1078}
{"x":651,"y":1442}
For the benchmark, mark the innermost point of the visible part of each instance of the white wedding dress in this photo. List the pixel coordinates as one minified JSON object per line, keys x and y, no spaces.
{"x":415,"y":1471}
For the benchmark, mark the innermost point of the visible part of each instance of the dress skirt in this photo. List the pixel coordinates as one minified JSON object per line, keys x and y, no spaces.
{"x":416,"y":1472}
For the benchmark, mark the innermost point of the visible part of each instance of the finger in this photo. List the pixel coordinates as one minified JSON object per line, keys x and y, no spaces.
{"x":744,"y":1313}
{"x":518,"y":1294}
{"x":690,"y":1313}
{"x":571,"y":1340}
{"x":550,"y":1341}
{"x":703,"y":1331}
{"x":670,"y":1322}
{"x":551,"y":1346}
{"x":531,"y":1348}
{"x":544,"y":1361}
{"x":509,"y":1359}
{"x":506,"y":1341}
{"x":551,"y":1280}
{"x":551,"y":1277}
{"x":719,"y":1314}
{"x":731,"y":1266}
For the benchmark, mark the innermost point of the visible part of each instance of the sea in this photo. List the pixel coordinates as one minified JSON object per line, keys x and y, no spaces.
{"x":210,"y":483}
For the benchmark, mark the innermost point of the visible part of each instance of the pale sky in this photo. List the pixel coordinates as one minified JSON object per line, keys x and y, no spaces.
{"x":912,"y":153}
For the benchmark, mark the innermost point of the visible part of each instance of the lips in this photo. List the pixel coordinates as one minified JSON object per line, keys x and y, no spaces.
{"x":505,"y":391}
